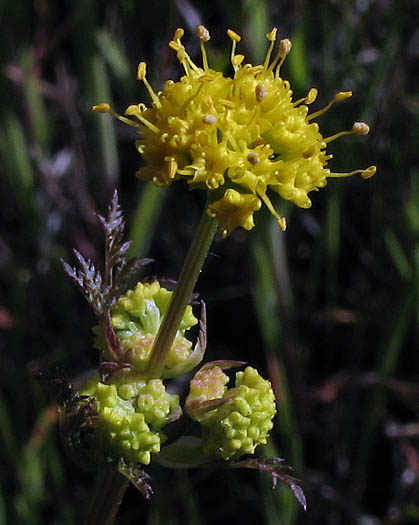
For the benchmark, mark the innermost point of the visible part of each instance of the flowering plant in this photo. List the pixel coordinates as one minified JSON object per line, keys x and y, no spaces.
{"x":239,"y":139}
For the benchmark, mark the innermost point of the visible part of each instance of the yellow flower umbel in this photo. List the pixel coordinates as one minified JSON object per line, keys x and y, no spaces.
{"x":237,"y":137}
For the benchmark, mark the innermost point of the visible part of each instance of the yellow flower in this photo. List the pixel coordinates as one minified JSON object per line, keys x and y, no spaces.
{"x":236,"y":137}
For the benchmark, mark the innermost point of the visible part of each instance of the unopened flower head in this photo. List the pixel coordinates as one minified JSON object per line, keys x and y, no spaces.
{"x":132,"y":413}
{"x":136,"y":318}
{"x":238,"y":136}
{"x":233,"y":421}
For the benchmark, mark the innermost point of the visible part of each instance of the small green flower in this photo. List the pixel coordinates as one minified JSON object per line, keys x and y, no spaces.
{"x":132,"y":413}
{"x":136,"y":318}
{"x":234,"y":422}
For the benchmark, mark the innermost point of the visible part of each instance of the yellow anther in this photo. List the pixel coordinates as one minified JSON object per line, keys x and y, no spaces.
{"x":202,"y":33}
{"x":261,"y":92}
{"x":179,"y":33}
{"x":172,"y":168}
{"x":237,"y":60}
{"x":209,"y":119}
{"x":361,"y":128}
{"x":271,"y":36}
{"x":131,"y":110}
{"x":141,"y":71}
{"x":369,"y":172}
{"x":343,"y":95}
{"x":311,"y":96}
{"x":233,"y":35}
{"x":282,"y":223}
{"x":102,"y":108}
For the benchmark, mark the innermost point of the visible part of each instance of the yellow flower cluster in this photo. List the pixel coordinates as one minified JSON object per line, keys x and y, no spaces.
{"x":237,"y":137}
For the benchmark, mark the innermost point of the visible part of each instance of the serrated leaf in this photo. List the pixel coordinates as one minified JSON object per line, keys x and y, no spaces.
{"x":89,"y":280}
{"x":279,"y":471}
{"x":138,"y":477}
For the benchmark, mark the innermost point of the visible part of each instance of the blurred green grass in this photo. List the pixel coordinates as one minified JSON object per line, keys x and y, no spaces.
{"x":329,"y":309}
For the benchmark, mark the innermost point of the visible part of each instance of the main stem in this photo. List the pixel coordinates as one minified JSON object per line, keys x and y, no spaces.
{"x":109,"y":489}
{"x":182,"y":295}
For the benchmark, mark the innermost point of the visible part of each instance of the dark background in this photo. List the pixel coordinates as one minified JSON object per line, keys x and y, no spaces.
{"x":328,"y":310}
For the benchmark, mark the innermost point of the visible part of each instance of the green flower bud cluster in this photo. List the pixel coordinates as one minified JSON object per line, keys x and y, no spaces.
{"x":132,"y":413}
{"x":136,"y":318}
{"x":240,"y":423}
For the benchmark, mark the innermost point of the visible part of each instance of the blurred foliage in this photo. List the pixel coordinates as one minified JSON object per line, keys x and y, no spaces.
{"x":329,"y":308}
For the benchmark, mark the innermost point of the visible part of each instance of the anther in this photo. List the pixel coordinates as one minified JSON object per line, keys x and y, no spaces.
{"x":202,"y":33}
{"x":237,"y":60}
{"x":179,"y":33}
{"x":233,"y":35}
{"x":271,"y":36}
{"x":102,"y":108}
{"x":253,"y":158}
{"x":361,"y":128}
{"x":261,"y":92}
{"x":343,"y":95}
{"x":311,"y":96}
{"x":369,"y":172}
{"x":209,"y":119}
{"x":285,"y":46}
{"x":141,"y":71}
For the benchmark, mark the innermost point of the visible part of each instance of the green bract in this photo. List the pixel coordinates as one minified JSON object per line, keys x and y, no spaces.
{"x":132,"y":414}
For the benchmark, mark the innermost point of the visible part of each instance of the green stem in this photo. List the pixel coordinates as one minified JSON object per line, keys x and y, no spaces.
{"x":108,"y":491}
{"x":182,"y":295}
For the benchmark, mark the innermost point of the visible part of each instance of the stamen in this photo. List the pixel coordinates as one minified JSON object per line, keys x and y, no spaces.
{"x":311,"y":96}
{"x":237,"y":61}
{"x":342,"y":95}
{"x":308,"y":99}
{"x":285,"y":47}
{"x":141,"y":75}
{"x":106,"y":108}
{"x":359,"y":128}
{"x":271,"y":36}
{"x":203,"y":35}
{"x":282,"y":222}
{"x":235,"y":38}
{"x":134,"y":110}
{"x":369,"y":172}
{"x":181,"y":53}
{"x":365,"y":174}
{"x":102,"y":108}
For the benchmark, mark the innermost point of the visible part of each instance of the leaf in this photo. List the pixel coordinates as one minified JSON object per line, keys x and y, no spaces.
{"x":89,"y":280}
{"x":126,"y":273}
{"x":279,"y":471}
{"x":137,"y":476}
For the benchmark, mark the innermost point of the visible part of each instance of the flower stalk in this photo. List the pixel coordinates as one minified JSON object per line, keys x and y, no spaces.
{"x":108,"y":491}
{"x":182,"y":295}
